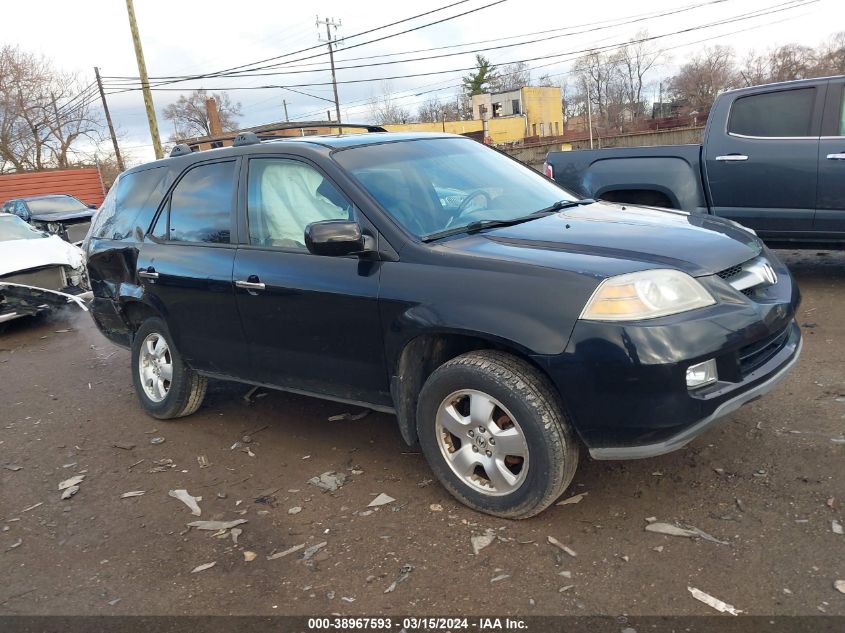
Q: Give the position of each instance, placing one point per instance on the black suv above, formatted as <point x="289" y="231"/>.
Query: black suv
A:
<point x="503" y="321"/>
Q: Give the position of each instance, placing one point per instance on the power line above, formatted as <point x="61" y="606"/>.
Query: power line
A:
<point x="358" y="103"/>
<point x="384" y="26"/>
<point x="791" y="4"/>
<point x="478" y="50"/>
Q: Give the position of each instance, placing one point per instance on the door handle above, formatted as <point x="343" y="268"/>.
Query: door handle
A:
<point x="732" y="158"/>
<point x="836" y="156"/>
<point x="250" y="285"/>
<point x="148" y="273"/>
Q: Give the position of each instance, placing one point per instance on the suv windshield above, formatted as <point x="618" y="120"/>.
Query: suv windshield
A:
<point x="434" y="185"/>
<point x="13" y="228"/>
<point x="55" y="204"/>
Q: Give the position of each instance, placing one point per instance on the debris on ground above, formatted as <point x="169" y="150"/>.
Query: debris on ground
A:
<point x="404" y="572"/>
<point x="565" y="574"/>
<point x="126" y="446"/>
<point x="839" y="585"/>
<point x="740" y="504"/>
<point x="561" y="546"/>
<point x="329" y="480"/>
<point x="32" y="507"/>
<point x="310" y="551"/>
<point x="161" y="465"/>
<point x="202" y="460"/>
<point x="13" y="467"/>
<point x="248" y="396"/>
<point x="216" y="525"/>
<point x="381" y="500"/>
<point x="480" y="542"/>
<point x="235" y="533"/>
<point x="295" y="510"/>
<point x="499" y="577"/>
<point x="435" y="507"/>
<point x="576" y="499"/>
<point x="710" y="601"/>
<point x="157" y="440"/>
<point x="73" y="481"/>
<point x="424" y="483"/>
<point x="249" y="556"/>
<point x="836" y="527"/>
<point x="203" y="567"/>
<point x="565" y="588"/>
<point x="350" y="416"/>
<point x="15" y="545"/>
<point x="185" y="497"/>
<point x="132" y="493"/>
<point x="289" y="550"/>
<point x="347" y="599"/>
<point x="70" y="491"/>
<point x="673" y="530"/>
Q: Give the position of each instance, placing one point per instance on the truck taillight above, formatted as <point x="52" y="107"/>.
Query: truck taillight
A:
<point x="548" y="171"/>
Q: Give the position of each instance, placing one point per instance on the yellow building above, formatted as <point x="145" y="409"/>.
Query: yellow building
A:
<point x="501" y="130"/>
<point x="540" y="108"/>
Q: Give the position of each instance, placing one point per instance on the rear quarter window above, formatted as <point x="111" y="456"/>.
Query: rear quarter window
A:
<point x="786" y="113"/>
<point x="131" y="203"/>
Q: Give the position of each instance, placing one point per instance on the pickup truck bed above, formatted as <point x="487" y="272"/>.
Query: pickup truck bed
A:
<point x="773" y="159"/>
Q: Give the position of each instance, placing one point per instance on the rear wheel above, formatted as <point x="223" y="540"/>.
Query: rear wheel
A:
<point x="493" y="431"/>
<point x="165" y="386"/>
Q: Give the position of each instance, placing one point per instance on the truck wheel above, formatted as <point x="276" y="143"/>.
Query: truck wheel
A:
<point x="493" y="430"/>
<point x="166" y="387"/>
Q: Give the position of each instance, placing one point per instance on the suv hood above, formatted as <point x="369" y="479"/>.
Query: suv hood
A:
<point x="636" y="237"/>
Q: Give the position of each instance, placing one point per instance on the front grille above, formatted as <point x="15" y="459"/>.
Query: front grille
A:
<point x="757" y="354"/>
<point x="733" y="271"/>
<point x="49" y="277"/>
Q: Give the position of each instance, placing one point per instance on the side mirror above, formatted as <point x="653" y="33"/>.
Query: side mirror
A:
<point x="335" y="238"/>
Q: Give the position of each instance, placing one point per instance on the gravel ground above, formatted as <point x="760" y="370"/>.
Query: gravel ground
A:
<point x="769" y="482"/>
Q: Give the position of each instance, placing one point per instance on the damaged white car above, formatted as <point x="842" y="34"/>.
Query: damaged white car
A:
<point x="38" y="271"/>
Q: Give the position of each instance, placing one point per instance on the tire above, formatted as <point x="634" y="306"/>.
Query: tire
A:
<point x="525" y="404"/>
<point x="175" y="398"/>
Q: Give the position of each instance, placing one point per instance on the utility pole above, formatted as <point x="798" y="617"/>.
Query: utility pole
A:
<point x="285" y="103"/>
<point x="145" y="80"/>
<point x="108" y="120"/>
<point x="331" y="24"/>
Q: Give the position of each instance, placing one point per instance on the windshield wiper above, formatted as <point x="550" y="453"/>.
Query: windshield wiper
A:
<point x="478" y="225"/>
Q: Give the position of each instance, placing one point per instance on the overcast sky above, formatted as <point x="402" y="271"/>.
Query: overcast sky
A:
<point x="192" y="37"/>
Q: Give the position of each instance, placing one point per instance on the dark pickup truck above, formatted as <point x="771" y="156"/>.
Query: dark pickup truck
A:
<point x="773" y="159"/>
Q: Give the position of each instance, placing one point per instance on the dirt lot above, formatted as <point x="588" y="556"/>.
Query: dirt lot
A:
<point x="769" y="481"/>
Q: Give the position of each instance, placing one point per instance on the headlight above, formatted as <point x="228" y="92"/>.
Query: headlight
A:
<point x="646" y="295"/>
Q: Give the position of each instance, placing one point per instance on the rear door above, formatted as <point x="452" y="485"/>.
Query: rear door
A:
<point x="312" y="322"/>
<point x="762" y="169"/>
<point x="185" y="265"/>
<point x="830" y="205"/>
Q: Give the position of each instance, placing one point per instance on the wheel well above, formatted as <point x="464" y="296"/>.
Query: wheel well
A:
<point x="418" y="360"/>
<point x="647" y="197"/>
<point x="136" y="313"/>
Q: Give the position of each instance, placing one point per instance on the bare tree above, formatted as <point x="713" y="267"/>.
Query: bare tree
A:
<point x="706" y="75"/>
<point x="384" y="110"/>
<point x="633" y="61"/>
<point x="431" y="111"/>
<point x="511" y="77"/>
<point x="45" y="114"/>
<point x="189" y="114"/>
<point x="831" y="58"/>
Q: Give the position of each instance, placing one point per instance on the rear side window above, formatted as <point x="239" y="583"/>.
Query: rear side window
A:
<point x="132" y="201"/>
<point x="772" y="114"/>
<point x="201" y="205"/>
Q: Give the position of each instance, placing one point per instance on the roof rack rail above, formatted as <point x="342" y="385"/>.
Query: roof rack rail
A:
<point x="180" y="150"/>
<point x="246" y="138"/>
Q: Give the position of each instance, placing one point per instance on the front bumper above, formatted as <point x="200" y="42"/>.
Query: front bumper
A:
<point x="624" y="384"/>
<point x="772" y="377"/>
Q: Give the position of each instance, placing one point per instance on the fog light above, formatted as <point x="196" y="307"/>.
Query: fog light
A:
<point x="702" y="374"/>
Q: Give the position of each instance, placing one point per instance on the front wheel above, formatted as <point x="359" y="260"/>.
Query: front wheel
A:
<point x="493" y="430"/>
<point x="166" y="387"/>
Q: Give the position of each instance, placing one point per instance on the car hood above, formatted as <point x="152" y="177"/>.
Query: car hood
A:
<point x="61" y="217"/>
<point x="632" y="237"/>
<point x="20" y="255"/>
